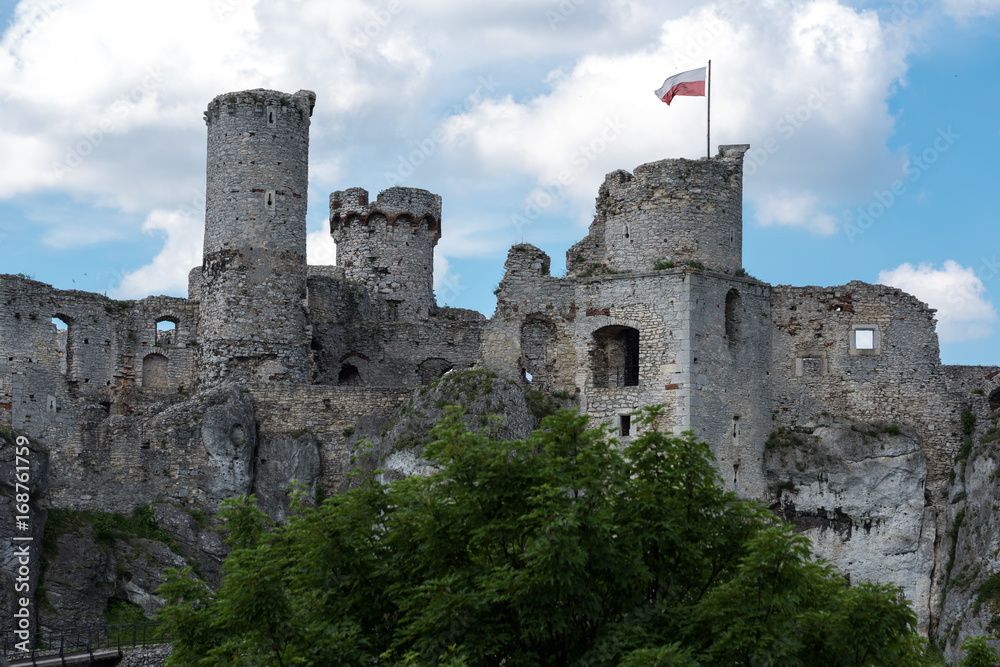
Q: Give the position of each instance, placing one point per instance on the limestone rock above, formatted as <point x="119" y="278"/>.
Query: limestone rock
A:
<point x="282" y="462"/>
<point x="857" y="491"/>
<point x="491" y="404"/>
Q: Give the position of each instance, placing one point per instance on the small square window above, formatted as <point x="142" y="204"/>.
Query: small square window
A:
<point x="864" y="339"/>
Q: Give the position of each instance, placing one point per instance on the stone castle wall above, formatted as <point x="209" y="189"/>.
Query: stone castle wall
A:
<point x="728" y="374"/>
<point x="817" y="366"/>
<point x="329" y="413"/>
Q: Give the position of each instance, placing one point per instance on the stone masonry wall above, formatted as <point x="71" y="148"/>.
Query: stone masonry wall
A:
<point x="815" y="367"/>
<point x="254" y="270"/>
<point x="729" y="375"/>
<point x="388" y="245"/>
<point x="351" y="327"/>
<point x="329" y="413"/>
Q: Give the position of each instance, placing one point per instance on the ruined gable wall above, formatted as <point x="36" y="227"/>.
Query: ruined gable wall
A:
<point x="61" y="387"/>
<point x="903" y="382"/>
<point x="531" y="303"/>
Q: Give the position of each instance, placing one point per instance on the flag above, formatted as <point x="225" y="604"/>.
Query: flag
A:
<point x="691" y="82"/>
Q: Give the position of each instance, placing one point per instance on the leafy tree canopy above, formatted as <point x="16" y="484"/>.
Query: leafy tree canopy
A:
<point x="561" y="549"/>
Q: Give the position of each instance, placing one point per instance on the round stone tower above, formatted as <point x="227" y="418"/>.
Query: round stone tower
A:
<point x="388" y="245"/>
<point x="253" y="324"/>
<point x="666" y="214"/>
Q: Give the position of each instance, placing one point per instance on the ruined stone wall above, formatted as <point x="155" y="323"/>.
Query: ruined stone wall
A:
<point x="672" y="211"/>
<point x="254" y="270"/>
<point x="388" y="245"/>
<point x="561" y="329"/>
<point x="728" y="376"/>
<point x="817" y="366"/>
<point x="328" y="413"/>
<point x="354" y="331"/>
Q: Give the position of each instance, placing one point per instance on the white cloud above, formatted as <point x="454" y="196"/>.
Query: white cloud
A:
<point x="968" y="8"/>
<point x="794" y="210"/>
<point x="168" y="272"/>
<point x="958" y="294"/>
<point x="320" y="249"/>
<point x="804" y="82"/>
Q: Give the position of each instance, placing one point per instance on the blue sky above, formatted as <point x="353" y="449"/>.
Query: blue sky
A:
<point x="485" y="103"/>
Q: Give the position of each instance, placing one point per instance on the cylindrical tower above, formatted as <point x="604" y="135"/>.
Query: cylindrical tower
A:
<point x="388" y="245"/>
<point x="253" y="324"/>
<point x="675" y="213"/>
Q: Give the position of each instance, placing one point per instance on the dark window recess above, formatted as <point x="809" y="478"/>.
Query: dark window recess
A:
<point x="626" y="425"/>
<point x="616" y="357"/>
<point x="349" y="374"/>
<point x="734" y="316"/>
<point x="995" y="399"/>
<point x="736" y="475"/>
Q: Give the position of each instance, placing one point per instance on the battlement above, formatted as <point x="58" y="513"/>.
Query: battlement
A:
<point x="668" y="212"/>
<point x="388" y="245"/>
<point x="397" y="205"/>
<point x="264" y="102"/>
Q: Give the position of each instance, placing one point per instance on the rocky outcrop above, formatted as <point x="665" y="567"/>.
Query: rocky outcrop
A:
<point x="284" y="463"/>
<point x="857" y="491"/>
<point x="490" y="404"/>
<point x="94" y="559"/>
<point x="969" y="586"/>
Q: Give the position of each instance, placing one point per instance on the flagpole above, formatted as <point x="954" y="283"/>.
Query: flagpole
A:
<point x="708" y="139"/>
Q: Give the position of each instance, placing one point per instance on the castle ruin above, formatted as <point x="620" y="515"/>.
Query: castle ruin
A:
<point x="269" y="363"/>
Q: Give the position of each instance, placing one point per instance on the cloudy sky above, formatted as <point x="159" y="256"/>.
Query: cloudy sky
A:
<point x="874" y="128"/>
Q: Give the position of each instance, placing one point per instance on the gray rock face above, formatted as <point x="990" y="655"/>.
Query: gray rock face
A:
<point x="494" y="405"/>
<point x="281" y="463"/>
<point x="857" y="491"/>
<point x="229" y="436"/>
<point x="203" y="545"/>
<point x="969" y="555"/>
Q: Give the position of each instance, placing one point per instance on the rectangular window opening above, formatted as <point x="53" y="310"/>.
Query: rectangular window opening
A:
<point x="864" y="339"/>
<point x="626" y="423"/>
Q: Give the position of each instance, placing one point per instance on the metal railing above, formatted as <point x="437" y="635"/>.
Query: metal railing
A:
<point x="57" y="643"/>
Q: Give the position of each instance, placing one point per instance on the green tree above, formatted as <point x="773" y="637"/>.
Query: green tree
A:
<point x="561" y="549"/>
<point x="978" y="654"/>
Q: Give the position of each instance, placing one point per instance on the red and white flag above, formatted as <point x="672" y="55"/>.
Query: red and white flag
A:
<point x="691" y="82"/>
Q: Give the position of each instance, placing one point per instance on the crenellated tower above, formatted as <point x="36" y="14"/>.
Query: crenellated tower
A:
<point x="254" y="326"/>
<point x="668" y="213"/>
<point x="388" y="245"/>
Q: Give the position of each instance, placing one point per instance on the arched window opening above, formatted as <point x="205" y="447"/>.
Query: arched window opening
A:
<point x="734" y="316"/>
<point x="154" y="371"/>
<point x="616" y="357"/>
<point x="166" y="332"/>
<point x="349" y="375"/>
<point x="431" y="369"/>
